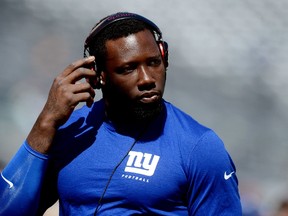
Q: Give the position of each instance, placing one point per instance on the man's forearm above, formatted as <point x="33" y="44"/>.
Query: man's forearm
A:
<point x="21" y="182"/>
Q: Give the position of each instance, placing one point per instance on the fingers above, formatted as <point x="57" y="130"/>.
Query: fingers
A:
<point x="77" y="64"/>
<point x="84" y="92"/>
<point x="66" y="92"/>
<point x="72" y="94"/>
<point x="77" y="70"/>
<point x="68" y="85"/>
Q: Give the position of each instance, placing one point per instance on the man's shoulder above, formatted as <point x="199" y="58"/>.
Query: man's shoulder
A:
<point x="182" y="119"/>
<point x="86" y="114"/>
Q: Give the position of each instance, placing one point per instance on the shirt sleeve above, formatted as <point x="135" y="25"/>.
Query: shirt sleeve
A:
<point x="213" y="184"/>
<point x="21" y="182"/>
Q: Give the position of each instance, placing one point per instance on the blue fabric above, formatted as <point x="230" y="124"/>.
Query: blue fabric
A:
<point x="21" y="182"/>
<point x="178" y="167"/>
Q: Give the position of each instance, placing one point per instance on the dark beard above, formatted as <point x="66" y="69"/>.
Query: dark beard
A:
<point x="142" y="111"/>
<point x="127" y="111"/>
<point x="122" y="109"/>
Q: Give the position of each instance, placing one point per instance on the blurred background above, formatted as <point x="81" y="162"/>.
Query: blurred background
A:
<point x="228" y="62"/>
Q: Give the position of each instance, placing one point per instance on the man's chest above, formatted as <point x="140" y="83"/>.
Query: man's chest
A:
<point x="147" y="174"/>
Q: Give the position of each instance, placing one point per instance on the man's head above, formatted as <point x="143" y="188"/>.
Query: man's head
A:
<point x="120" y="25"/>
<point x="131" y="60"/>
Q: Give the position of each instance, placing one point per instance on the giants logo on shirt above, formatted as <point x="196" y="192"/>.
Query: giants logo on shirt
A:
<point x="141" y="163"/>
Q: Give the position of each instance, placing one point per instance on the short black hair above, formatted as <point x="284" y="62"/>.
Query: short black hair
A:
<point x="121" y="28"/>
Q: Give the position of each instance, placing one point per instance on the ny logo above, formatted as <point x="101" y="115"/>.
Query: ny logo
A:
<point x="140" y="163"/>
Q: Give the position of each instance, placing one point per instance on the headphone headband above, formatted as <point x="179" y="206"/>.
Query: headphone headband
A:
<point x="121" y="16"/>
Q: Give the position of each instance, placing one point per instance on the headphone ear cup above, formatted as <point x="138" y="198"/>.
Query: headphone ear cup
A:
<point x="95" y="83"/>
<point x="166" y="53"/>
<point x="163" y="47"/>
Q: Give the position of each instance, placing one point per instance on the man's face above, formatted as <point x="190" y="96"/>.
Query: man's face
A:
<point x="135" y="75"/>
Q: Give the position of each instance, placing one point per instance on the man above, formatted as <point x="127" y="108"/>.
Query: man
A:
<point x="129" y="153"/>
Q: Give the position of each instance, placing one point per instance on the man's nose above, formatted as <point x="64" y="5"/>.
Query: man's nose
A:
<point x="146" y="80"/>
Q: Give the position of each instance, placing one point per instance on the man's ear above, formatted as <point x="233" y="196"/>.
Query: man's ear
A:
<point x="102" y="78"/>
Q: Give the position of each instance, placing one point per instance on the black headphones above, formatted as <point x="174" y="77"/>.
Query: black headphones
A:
<point x="163" y="46"/>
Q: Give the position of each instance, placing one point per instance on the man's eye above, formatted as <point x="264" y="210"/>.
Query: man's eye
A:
<point x="155" y="62"/>
<point x="126" y="69"/>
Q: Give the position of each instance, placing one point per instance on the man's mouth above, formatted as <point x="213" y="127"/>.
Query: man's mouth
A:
<point x="149" y="97"/>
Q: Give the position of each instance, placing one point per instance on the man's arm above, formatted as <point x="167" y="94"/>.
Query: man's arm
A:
<point x="65" y="94"/>
<point x="22" y="179"/>
<point x="213" y="186"/>
<point x="21" y="182"/>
